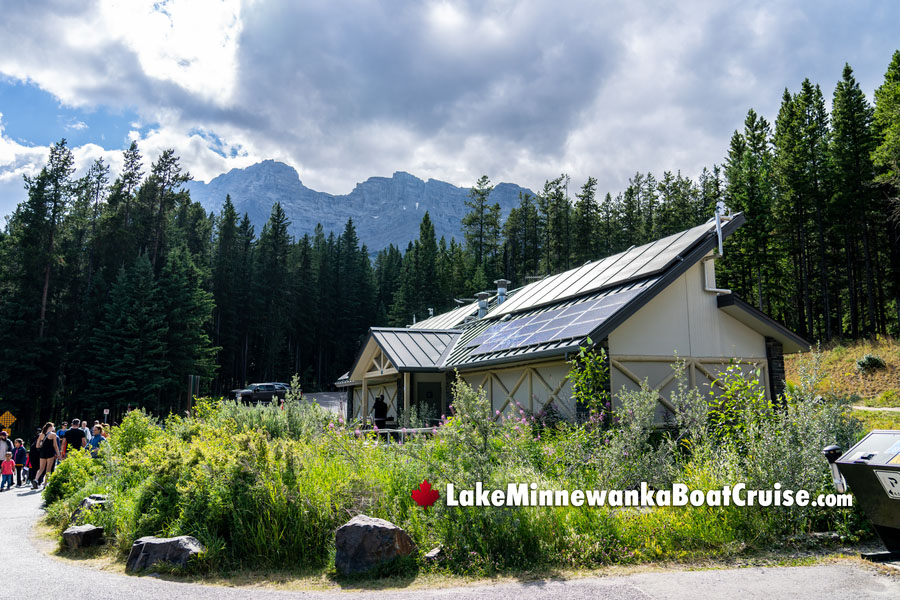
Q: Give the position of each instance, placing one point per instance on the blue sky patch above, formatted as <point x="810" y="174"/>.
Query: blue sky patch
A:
<point x="33" y="117"/>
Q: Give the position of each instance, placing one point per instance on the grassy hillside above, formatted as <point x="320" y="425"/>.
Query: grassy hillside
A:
<point x="877" y="388"/>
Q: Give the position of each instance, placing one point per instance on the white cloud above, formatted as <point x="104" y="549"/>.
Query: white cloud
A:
<point x="446" y="89"/>
<point x="192" y="43"/>
<point x="17" y="160"/>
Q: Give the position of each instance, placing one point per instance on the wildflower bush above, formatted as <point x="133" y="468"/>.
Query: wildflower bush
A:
<point x="267" y="486"/>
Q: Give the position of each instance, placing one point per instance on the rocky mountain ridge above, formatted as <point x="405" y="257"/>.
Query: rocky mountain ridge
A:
<point x="385" y="210"/>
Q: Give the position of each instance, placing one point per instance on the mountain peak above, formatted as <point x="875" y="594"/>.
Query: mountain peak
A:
<point x="384" y="210"/>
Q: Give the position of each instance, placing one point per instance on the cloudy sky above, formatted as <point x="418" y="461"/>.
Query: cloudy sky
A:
<point x="342" y="91"/>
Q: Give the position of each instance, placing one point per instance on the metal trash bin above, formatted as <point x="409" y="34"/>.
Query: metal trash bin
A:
<point x="872" y="470"/>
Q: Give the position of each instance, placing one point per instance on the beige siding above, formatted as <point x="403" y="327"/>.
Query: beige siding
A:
<point x="531" y="386"/>
<point x="684" y="320"/>
<point x="386" y="388"/>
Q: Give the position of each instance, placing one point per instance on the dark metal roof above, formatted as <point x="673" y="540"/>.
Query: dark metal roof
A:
<point x="761" y="322"/>
<point x="414" y="349"/>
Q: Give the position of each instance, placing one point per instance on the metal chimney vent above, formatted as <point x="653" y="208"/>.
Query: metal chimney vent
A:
<point x="502" y="284"/>
<point x="482" y="303"/>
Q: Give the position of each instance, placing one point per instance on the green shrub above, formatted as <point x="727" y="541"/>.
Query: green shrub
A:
<point x="263" y="487"/>
<point x="889" y="398"/>
<point x="869" y="363"/>
<point x="70" y="476"/>
<point x="138" y="429"/>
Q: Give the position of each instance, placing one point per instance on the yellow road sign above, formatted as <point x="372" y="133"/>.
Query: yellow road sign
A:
<point x="6" y="419"/>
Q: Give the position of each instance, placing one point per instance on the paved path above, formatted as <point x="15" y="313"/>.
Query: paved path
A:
<point x="333" y="401"/>
<point x="877" y="408"/>
<point x="28" y="574"/>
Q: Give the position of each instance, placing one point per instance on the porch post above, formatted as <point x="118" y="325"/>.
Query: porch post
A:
<point x="364" y="406"/>
<point x="406" y="386"/>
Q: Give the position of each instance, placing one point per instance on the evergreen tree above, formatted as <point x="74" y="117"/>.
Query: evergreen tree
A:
<point x="587" y="217"/>
<point x="750" y="188"/>
<point x="428" y="283"/>
<point x="188" y="309"/>
<point x="225" y="286"/>
<point x="610" y="226"/>
<point x="851" y="151"/>
<point x="481" y="225"/>
<point x="130" y="345"/>
<point x="271" y="270"/>
<point x="886" y="157"/>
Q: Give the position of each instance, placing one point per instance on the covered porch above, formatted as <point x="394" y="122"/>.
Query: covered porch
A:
<point x="401" y="366"/>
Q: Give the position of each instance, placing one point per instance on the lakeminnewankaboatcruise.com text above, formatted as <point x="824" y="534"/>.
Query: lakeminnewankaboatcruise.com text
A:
<point x="529" y="494"/>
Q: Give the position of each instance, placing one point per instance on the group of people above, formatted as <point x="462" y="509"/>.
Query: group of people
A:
<point x="48" y="447"/>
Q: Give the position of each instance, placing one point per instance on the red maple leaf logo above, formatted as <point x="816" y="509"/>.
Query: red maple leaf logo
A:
<point x="424" y="496"/>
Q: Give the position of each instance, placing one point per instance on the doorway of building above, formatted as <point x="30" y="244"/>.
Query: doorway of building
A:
<point x="428" y="398"/>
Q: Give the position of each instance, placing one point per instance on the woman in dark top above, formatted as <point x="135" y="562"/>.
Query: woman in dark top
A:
<point x="49" y="452"/>
<point x="34" y="457"/>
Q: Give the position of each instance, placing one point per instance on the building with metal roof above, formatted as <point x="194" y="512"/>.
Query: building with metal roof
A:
<point x="645" y="306"/>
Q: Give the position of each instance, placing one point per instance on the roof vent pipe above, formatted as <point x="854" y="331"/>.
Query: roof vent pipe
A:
<point x="502" y="284"/>
<point x="720" y="211"/>
<point x="482" y="303"/>
<point x="709" y="276"/>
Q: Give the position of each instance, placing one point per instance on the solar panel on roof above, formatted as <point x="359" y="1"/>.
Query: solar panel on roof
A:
<point x="639" y="262"/>
<point x="568" y="322"/>
<point x="667" y="249"/>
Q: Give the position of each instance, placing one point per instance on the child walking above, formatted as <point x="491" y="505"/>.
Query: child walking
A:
<point x="20" y="457"/>
<point x="7" y="468"/>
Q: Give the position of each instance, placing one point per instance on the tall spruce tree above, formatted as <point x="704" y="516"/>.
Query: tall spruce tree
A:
<point x="886" y="157"/>
<point x="587" y="216"/>
<point x="130" y="366"/>
<point x="851" y="149"/>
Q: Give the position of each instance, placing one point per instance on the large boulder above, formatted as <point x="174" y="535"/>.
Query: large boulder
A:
<point x="364" y="543"/>
<point x="82" y="536"/>
<point x="149" y="551"/>
<point x="94" y="501"/>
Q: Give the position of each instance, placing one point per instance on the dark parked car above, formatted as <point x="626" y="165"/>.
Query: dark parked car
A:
<point x="262" y="392"/>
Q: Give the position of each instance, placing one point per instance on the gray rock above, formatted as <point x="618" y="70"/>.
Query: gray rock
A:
<point x="94" y="501"/>
<point x="364" y="543"/>
<point x="434" y="555"/>
<point x="82" y="536"/>
<point x="149" y="551"/>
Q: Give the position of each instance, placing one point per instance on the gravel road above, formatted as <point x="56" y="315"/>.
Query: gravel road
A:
<point x="29" y="574"/>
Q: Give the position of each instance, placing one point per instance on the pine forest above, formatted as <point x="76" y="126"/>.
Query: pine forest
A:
<point x="114" y="290"/>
